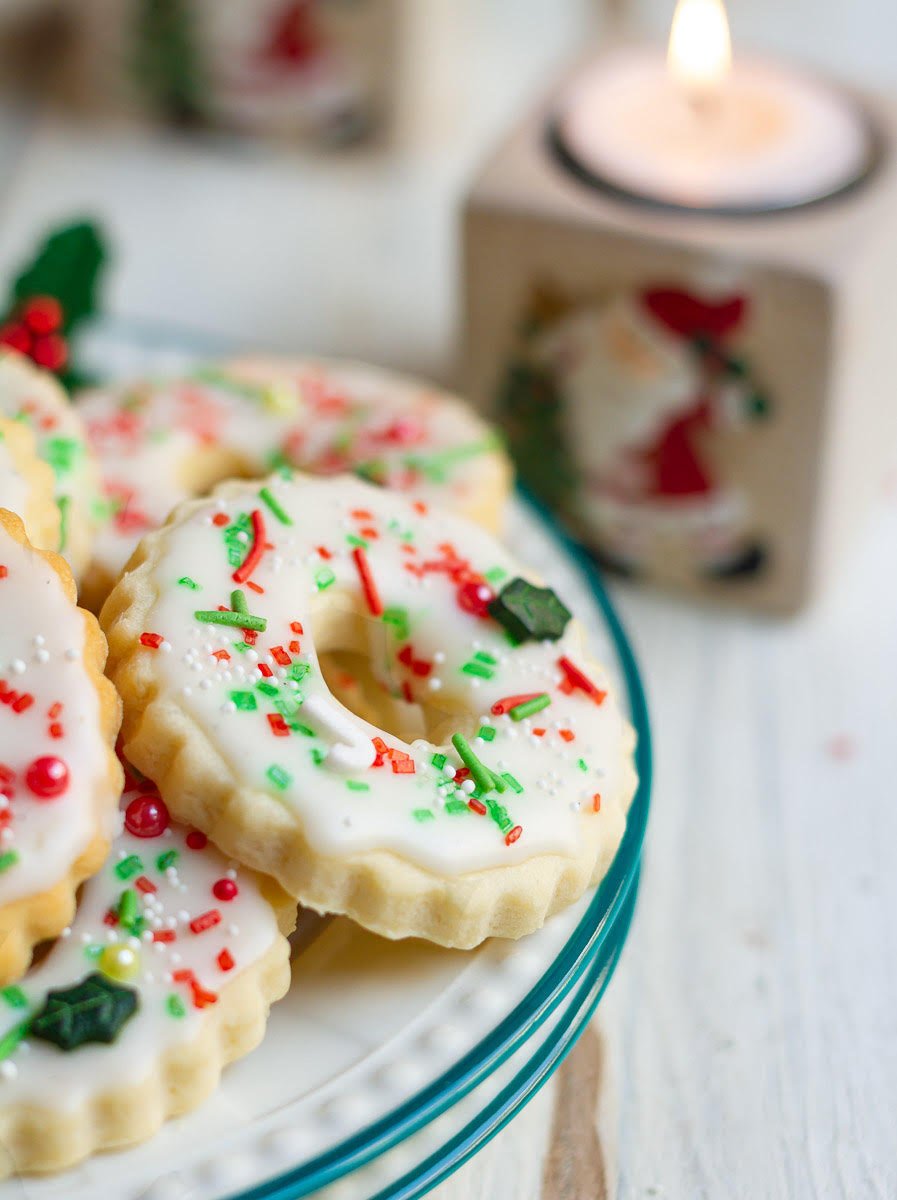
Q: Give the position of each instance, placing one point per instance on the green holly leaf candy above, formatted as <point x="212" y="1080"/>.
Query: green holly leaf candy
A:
<point x="94" y="1010"/>
<point x="529" y="613"/>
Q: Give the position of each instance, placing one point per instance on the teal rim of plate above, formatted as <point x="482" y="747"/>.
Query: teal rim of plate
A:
<point x="514" y="1096"/>
<point x="583" y="947"/>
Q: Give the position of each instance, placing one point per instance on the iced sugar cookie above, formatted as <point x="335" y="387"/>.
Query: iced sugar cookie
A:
<point x="501" y="791"/>
<point x="34" y="397"/>
<point x="165" y="975"/>
<point x="27" y="485"/>
<point x="59" y="779"/>
<point x="159" y="443"/>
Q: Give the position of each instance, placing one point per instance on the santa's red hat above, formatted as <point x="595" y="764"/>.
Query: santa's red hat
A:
<point x="687" y="315"/>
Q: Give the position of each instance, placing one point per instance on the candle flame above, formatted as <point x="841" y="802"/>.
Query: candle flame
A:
<point x="699" y="54"/>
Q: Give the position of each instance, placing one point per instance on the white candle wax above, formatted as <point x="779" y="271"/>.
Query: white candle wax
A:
<point x="765" y="137"/>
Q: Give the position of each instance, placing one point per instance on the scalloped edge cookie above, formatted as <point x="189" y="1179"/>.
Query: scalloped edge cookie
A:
<point x="31" y="919"/>
<point x="379" y="889"/>
<point x="40" y="513"/>
<point x="38" y="1140"/>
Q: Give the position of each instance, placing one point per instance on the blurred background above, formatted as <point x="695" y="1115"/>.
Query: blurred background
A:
<point x="333" y="225"/>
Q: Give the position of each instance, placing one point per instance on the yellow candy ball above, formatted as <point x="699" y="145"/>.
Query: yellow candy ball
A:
<point x="120" y="963"/>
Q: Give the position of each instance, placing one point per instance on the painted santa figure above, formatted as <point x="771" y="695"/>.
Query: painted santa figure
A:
<point x="645" y="383"/>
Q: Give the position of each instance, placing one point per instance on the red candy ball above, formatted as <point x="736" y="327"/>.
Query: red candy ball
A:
<point x="474" y="597"/>
<point x="47" y="777"/>
<point x="16" y="336"/>
<point x="224" y="889"/>
<point x="147" y="817"/>
<point x="196" y="840"/>
<point x="50" y="351"/>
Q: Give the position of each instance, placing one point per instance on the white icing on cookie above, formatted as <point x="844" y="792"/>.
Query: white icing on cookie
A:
<point x="33" y="396"/>
<point x="14" y="487"/>
<point x="323" y="565"/>
<point x="161" y="442"/>
<point x="167" y="917"/>
<point x="54" y="761"/>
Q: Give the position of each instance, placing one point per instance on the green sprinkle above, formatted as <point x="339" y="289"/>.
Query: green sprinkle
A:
<point x="279" y="777"/>
<point x="238" y="601"/>
<point x="234" y="619"/>
<point x="297" y="671"/>
<point x="303" y="729"/>
<point x="187" y="582"/>
<point x="14" y="996"/>
<point x="456" y="807"/>
<point x="317" y="755"/>
<point x="480" y="773"/>
<point x="497" y="782"/>
<point x="241" y="647"/>
<point x="360" y="543"/>
<point x="478" y="669"/>
<point x="62" y="503"/>
<point x="266" y="688"/>
<point x="582" y="764"/>
<point x="245" y="701"/>
<point x="7" y="860"/>
<point x="495" y="574"/>
<point x="438" y="761"/>
<point x="276" y="507"/>
<point x="10" y="1040"/>
<point x="93" y="952"/>
<point x="166" y="860"/>
<point x="61" y="453"/>
<point x="374" y="471"/>
<point x="398" y="618"/>
<point x="498" y="813"/>
<point x="514" y="784"/>
<point x="483" y="657"/>
<point x="128" y="867"/>
<point x="487" y="733"/>
<point x="127" y="907"/>
<point x="175" y="1006"/>
<point x="324" y="577"/>
<point x="423" y="814"/>
<point x="529" y="707"/>
<point x="355" y="785"/>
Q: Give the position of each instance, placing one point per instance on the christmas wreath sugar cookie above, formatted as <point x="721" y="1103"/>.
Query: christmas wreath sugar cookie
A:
<point x="59" y="779"/>
<point x="34" y="397"/>
<point x="26" y="485"/>
<point x="505" y="808"/>
<point x="161" y="442"/>
<point x="165" y="975"/>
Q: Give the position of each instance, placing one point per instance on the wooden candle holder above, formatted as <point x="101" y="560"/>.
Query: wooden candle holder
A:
<point x="709" y="402"/>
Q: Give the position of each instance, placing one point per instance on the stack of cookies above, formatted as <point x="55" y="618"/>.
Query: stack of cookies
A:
<point x="335" y="687"/>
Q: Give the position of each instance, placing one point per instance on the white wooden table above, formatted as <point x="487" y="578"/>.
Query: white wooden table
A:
<point x="748" y="1045"/>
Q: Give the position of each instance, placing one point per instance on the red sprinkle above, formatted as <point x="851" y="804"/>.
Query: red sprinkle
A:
<point x="500" y="707"/>
<point x="264" y="670"/>
<point x="513" y="834"/>
<point x="474" y="597"/>
<point x="420" y="507"/>
<point x="596" y="802"/>
<point x="575" y="679"/>
<point x="220" y="519"/>
<point x="280" y="656"/>
<point x="324" y="552"/>
<point x="369" y="586"/>
<point x="153" y="640"/>
<point x="278" y="725"/>
<point x="225" y="889"/>
<point x="4" y="571"/>
<point x="477" y="806"/>
<point x="256" y="551"/>
<point x="23" y="702"/>
<point x="144" y="885"/>
<point x="254" y="587"/>
<point x="55" y="731"/>
<point x="207" y="920"/>
<point x="201" y="998"/>
<point x="196" y="840"/>
<point x="164" y="935"/>
<point x="225" y="960"/>
<point x="362" y="514"/>
<point x="567" y="734"/>
<point x="403" y="766"/>
<point x="296" y="627"/>
<point x="221" y="655"/>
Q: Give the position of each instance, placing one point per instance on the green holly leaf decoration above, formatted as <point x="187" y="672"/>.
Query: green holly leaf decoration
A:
<point x="529" y="613"/>
<point x="94" y="1010"/>
<point x="67" y="266"/>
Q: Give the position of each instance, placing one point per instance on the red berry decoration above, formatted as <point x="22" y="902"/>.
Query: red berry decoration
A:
<point x="196" y="840"/>
<point x="16" y="336"/>
<point x="147" y="817"/>
<point x="50" y="352"/>
<point x="42" y="314"/>
<point x="475" y="596"/>
<point x="47" y="777"/>
<point x="224" y="889"/>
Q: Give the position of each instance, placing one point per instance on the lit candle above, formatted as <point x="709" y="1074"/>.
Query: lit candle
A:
<point x="701" y="131"/>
